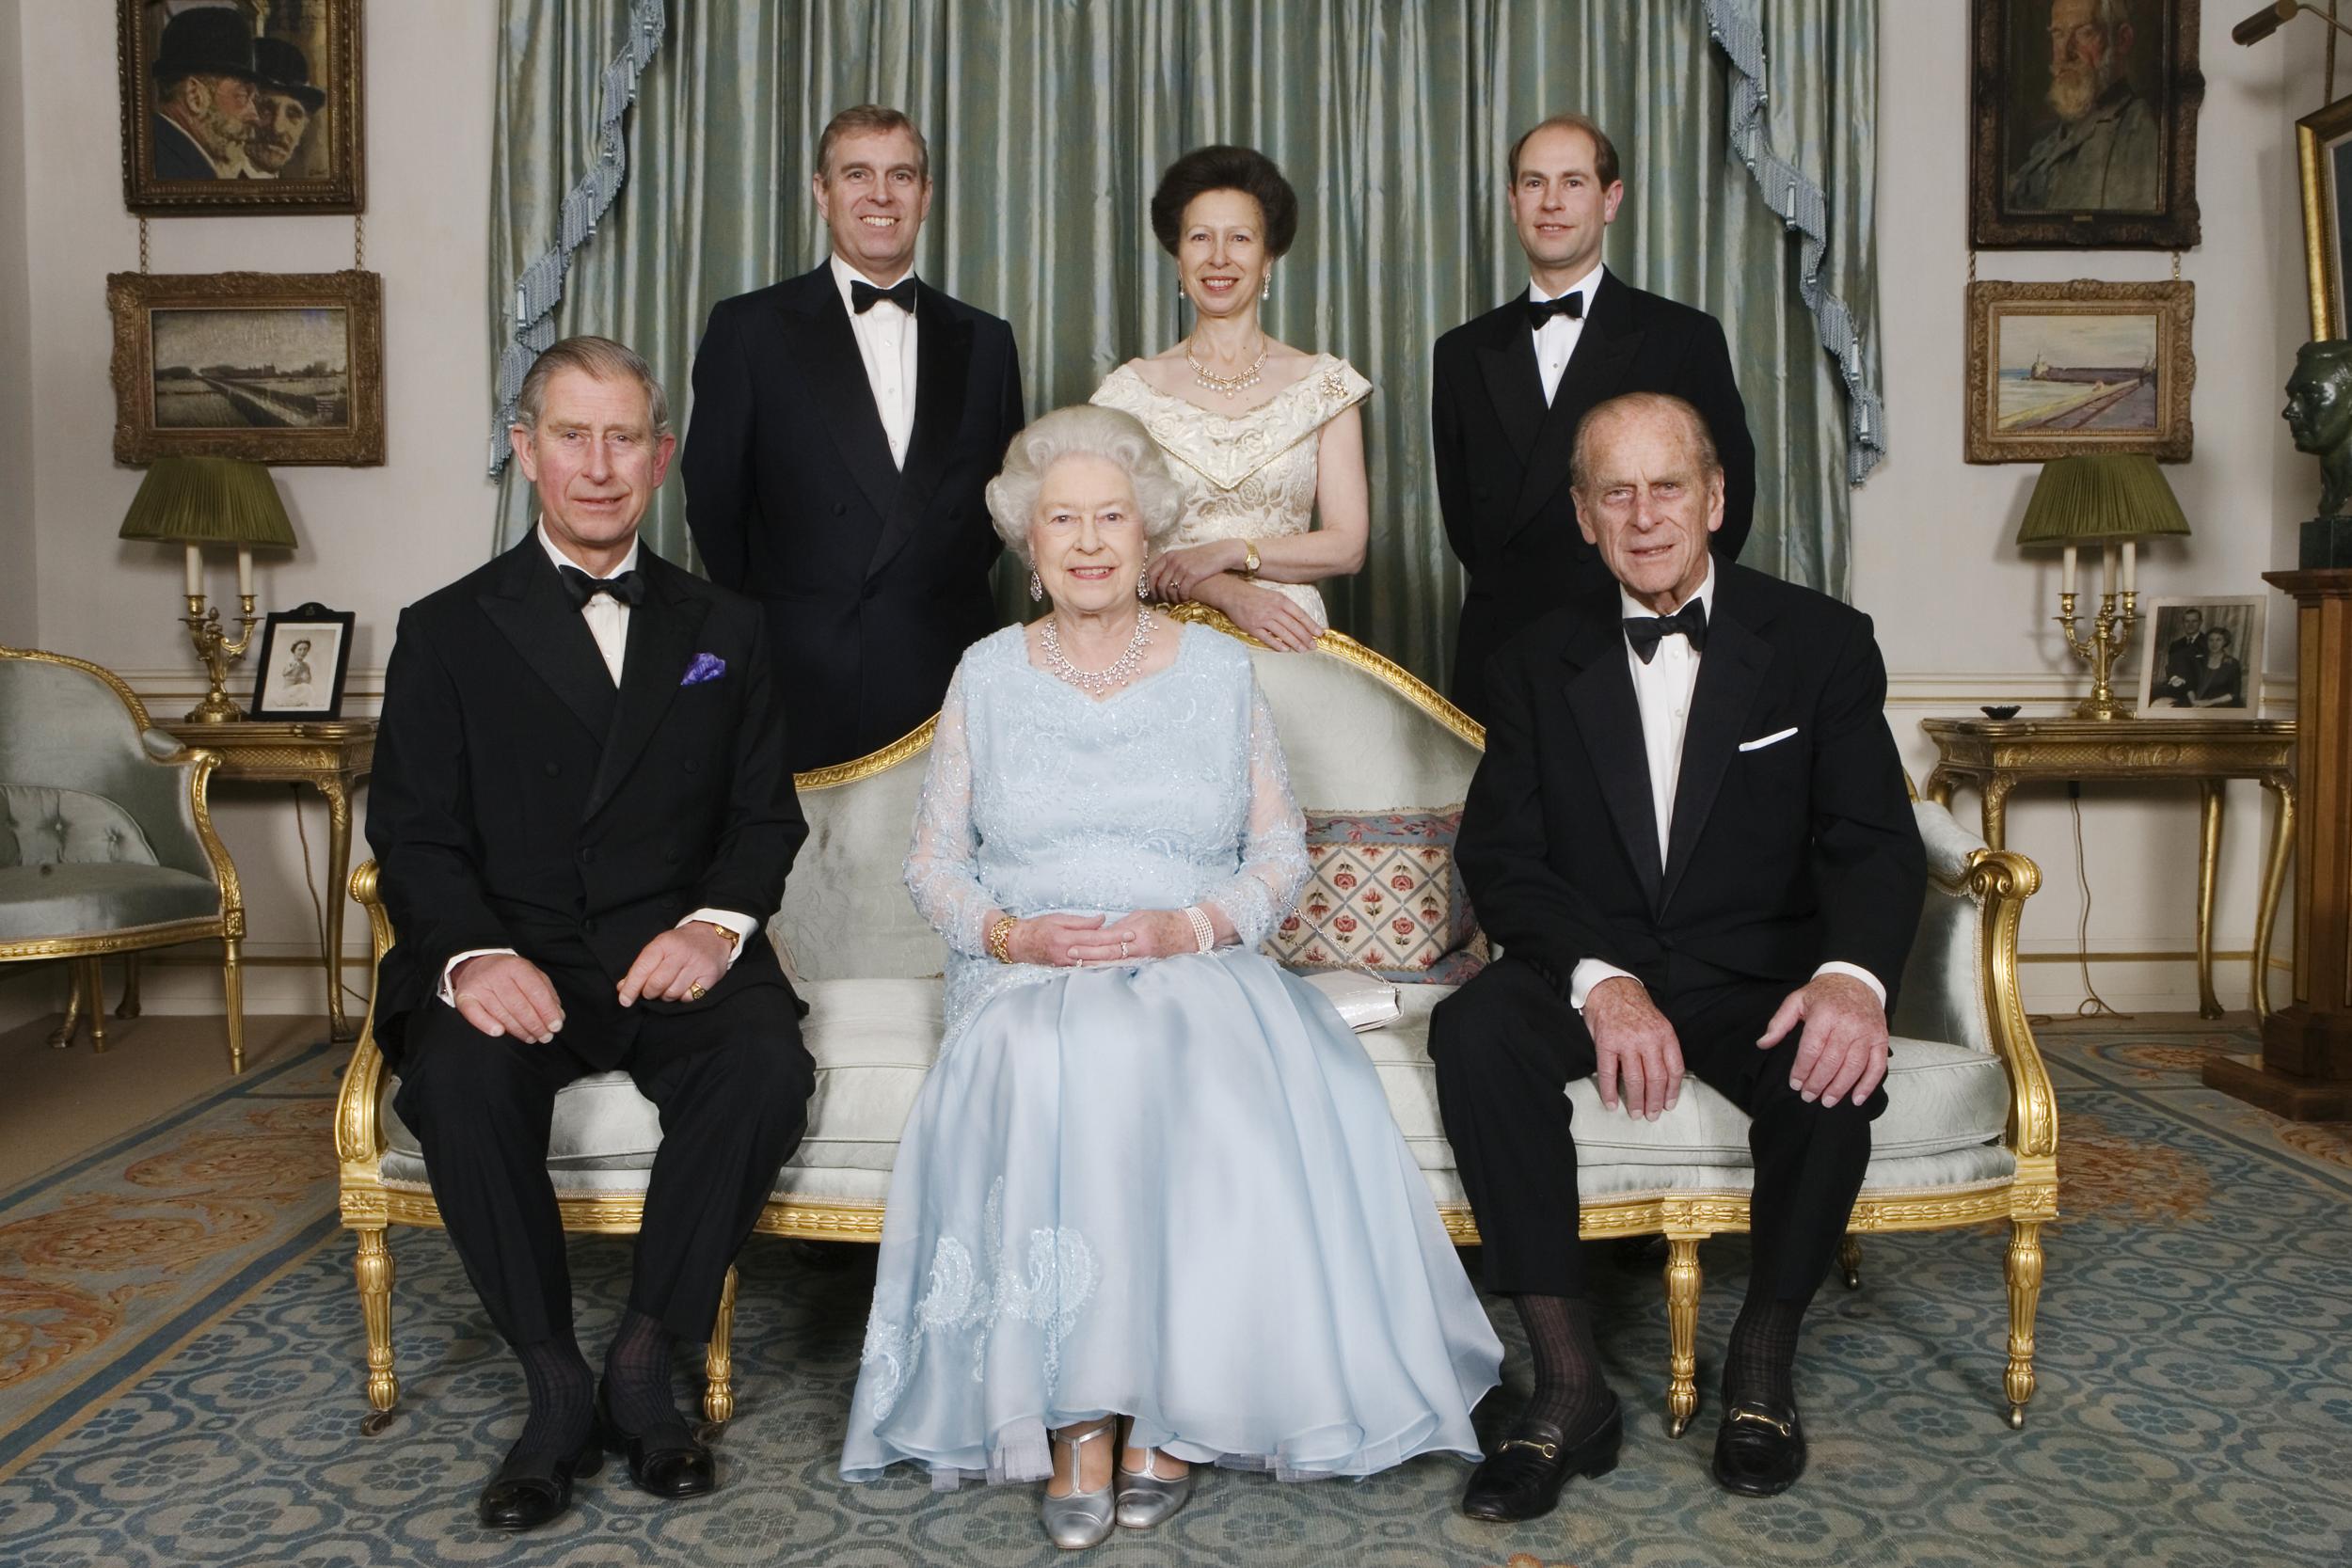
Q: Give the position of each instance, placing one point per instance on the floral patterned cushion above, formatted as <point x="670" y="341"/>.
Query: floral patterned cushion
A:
<point x="1384" y="899"/>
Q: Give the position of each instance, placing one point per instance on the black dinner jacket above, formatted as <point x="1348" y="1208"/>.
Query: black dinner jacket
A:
<point x="874" y="579"/>
<point x="520" y="799"/>
<point x="1784" y="855"/>
<point x="1501" y="455"/>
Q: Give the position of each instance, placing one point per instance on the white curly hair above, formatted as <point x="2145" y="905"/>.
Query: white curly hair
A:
<point x="1082" y="430"/>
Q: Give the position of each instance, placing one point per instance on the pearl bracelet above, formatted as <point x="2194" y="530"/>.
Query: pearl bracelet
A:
<point x="1204" y="934"/>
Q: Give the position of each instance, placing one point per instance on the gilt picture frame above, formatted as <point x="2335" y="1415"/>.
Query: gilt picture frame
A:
<point x="2060" y="369"/>
<point x="2323" y="148"/>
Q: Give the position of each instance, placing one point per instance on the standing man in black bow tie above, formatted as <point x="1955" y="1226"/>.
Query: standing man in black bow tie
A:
<point x="583" y="818"/>
<point x="845" y="424"/>
<point x="1691" y="837"/>
<point x="1509" y="387"/>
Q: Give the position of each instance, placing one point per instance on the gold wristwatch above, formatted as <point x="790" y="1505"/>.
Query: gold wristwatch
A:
<point x="727" y="934"/>
<point x="1250" y="557"/>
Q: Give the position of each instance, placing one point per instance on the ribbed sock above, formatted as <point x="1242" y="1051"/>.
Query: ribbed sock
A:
<point x="1569" y="1390"/>
<point x="637" y="1373"/>
<point x="1761" y="1350"/>
<point x="562" y="1399"/>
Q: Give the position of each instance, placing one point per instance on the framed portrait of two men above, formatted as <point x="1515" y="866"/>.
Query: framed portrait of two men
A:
<point x="241" y="106"/>
<point x="2083" y="123"/>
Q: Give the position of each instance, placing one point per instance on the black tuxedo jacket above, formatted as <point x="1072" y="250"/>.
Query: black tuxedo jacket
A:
<point x="1501" y="455"/>
<point x="520" y="799"/>
<point x="874" y="579"/>
<point x="1785" y="852"/>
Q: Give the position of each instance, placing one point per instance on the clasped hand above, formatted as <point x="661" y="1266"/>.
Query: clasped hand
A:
<point x="505" y="994"/>
<point x="1842" y="1055"/>
<point x="1065" y="940"/>
<point x="1174" y="575"/>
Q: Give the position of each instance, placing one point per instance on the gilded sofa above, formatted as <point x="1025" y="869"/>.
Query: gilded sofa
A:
<point x="1970" y="1136"/>
<point x="106" y="841"/>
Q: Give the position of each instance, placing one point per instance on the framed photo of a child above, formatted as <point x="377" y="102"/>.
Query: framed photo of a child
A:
<point x="306" y="653"/>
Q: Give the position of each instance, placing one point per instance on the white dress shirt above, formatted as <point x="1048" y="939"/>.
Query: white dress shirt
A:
<point x="885" y="340"/>
<point x="1662" y="690"/>
<point x="1556" y="340"/>
<point x="608" y="623"/>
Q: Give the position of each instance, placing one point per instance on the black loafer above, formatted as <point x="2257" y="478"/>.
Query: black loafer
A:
<point x="526" y="1493"/>
<point x="667" y="1462"/>
<point x="1523" y="1477"/>
<point x="1759" y="1450"/>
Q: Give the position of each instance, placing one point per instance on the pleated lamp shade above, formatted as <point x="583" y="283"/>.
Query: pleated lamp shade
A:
<point x="2091" y="499"/>
<point x="209" y="500"/>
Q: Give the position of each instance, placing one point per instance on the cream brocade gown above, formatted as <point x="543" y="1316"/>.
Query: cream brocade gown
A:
<point x="1249" y="475"/>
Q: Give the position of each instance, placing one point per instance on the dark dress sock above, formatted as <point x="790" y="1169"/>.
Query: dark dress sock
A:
<point x="1570" y="1392"/>
<point x="562" y="1400"/>
<point x="637" y="1377"/>
<point x="1761" y="1352"/>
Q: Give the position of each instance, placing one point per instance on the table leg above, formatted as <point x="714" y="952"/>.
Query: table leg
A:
<point x="1940" y="786"/>
<point x="338" y="892"/>
<point x="2209" y="796"/>
<point x="1995" y="809"/>
<point x="2281" y="785"/>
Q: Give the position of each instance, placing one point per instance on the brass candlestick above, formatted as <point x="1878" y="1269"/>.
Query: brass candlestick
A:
<point x="218" y="652"/>
<point x="2102" y="651"/>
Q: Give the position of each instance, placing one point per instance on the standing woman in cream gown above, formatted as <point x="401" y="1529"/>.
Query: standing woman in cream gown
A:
<point x="1261" y="435"/>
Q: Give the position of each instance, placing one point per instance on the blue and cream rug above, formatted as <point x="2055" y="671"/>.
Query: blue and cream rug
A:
<point x="181" y="1362"/>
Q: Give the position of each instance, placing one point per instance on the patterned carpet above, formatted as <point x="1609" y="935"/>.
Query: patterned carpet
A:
<point x="179" y="1371"/>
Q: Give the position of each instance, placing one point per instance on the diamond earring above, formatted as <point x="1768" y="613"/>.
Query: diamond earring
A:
<point x="1266" y="288"/>
<point x="1037" y="589"/>
<point x="1143" y="576"/>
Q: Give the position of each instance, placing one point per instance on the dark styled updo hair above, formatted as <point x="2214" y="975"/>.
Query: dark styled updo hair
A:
<point x="1224" y="168"/>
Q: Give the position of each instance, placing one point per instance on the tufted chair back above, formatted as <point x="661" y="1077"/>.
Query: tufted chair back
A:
<point x="78" y="783"/>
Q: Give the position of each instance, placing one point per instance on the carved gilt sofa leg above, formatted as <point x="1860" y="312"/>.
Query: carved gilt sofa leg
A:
<point x="1682" y="1332"/>
<point x="718" y="1367"/>
<point x="374" y="1272"/>
<point x="2025" y="1290"/>
<point x="1849" y="1260"/>
<point x="232" y="998"/>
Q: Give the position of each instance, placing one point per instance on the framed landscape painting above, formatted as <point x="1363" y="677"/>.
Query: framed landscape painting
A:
<point x="271" y="367"/>
<point x="240" y="107"/>
<point x="2060" y="369"/>
<point x="2084" y="124"/>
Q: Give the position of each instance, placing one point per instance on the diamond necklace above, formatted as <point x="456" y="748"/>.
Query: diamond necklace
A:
<point x="1096" y="682"/>
<point x="1230" y="386"/>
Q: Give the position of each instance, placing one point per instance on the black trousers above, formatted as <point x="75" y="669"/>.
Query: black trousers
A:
<point x="1507" y="1045"/>
<point x="732" y="1082"/>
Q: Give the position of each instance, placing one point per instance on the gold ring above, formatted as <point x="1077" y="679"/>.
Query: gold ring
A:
<point x="695" y="992"/>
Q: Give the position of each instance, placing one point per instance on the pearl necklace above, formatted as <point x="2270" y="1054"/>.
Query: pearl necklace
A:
<point x="1230" y="386"/>
<point x="1096" y="682"/>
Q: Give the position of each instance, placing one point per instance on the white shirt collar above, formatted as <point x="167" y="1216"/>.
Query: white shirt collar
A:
<point x="1585" y="285"/>
<point x="547" y="542"/>
<point x="1706" y="595"/>
<point x="844" y="274"/>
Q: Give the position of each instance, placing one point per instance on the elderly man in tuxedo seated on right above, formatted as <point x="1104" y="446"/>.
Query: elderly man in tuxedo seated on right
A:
<point x="1690" y="835"/>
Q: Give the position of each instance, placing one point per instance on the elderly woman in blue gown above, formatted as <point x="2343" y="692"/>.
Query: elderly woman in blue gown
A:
<point x="1151" y="1198"/>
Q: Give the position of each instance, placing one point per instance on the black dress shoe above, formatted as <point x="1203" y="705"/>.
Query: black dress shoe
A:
<point x="1521" y="1480"/>
<point x="667" y="1463"/>
<point x="1759" y="1450"/>
<point x="528" y="1493"/>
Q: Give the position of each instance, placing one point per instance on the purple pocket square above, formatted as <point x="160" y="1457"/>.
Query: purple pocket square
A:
<point x="706" y="667"/>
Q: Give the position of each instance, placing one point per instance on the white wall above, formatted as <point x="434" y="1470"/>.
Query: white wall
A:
<point x="1960" y="615"/>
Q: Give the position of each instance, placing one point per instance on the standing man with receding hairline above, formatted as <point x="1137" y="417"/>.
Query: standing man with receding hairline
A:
<point x="1509" y="387"/>
<point x="845" y="425"/>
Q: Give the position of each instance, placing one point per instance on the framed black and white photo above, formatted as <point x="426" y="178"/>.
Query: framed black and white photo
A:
<point x="2202" y="657"/>
<point x="306" y="653"/>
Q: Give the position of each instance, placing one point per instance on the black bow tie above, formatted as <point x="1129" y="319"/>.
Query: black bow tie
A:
<point x="1542" y="310"/>
<point x="628" y="588"/>
<point x="1643" y="632"/>
<point x="864" y="295"/>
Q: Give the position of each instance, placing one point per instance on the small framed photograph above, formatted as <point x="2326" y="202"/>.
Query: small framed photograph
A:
<point x="271" y="367"/>
<point x="2322" y="144"/>
<point x="306" y="653"/>
<point x="2060" y="369"/>
<point x="2084" y="124"/>
<point x="233" y="106"/>
<point x="2202" y="657"/>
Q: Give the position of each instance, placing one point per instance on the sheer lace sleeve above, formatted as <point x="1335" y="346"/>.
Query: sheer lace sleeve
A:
<point x="1274" y="840"/>
<point x="941" y="870"/>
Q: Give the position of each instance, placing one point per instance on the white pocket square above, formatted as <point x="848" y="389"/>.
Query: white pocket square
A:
<point x="1764" y="740"/>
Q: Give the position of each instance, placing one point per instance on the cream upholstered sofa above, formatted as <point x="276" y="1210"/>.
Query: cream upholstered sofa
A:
<point x="1969" y="1134"/>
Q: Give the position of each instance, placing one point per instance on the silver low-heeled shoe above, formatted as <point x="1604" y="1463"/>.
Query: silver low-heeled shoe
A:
<point x="1083" y="1518"/>
<point x="1146" y="1498"/>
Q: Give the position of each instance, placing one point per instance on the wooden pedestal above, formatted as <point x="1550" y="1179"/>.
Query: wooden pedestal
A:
<point x="2305" y="1069"/>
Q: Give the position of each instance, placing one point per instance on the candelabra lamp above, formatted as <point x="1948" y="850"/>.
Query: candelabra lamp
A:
<point x="195" y="501"/>
<point x="2110" y="501"/>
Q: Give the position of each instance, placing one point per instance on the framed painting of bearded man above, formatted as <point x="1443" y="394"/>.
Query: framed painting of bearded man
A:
<point x="2085" y="123"/>
<point x="240" y="107"/>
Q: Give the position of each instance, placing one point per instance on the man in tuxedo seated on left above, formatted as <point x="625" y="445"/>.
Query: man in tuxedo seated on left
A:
<point x="1691" y="837"/>
<point x="582" y="816"/>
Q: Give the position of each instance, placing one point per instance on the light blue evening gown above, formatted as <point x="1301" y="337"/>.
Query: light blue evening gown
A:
<point x="1171" y="1188"/>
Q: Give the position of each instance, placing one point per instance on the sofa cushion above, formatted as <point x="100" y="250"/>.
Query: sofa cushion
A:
<point x="1386" y="897"/>
<point x="84" y="899"/>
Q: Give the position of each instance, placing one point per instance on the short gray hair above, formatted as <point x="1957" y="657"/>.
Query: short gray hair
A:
<point x="1664" y="404"/>
<point x="1082" y="430"/>
<point x="601" y="358"/>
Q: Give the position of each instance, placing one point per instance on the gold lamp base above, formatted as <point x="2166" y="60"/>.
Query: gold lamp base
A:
<point x="218" y="652"/>
<point x="2110" y="634"/>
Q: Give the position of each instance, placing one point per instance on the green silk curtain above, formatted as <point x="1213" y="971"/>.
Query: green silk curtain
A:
<point x="1049" y="123"/>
